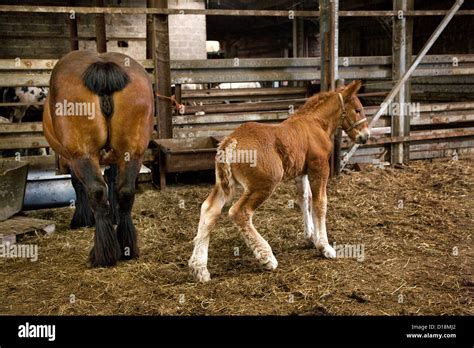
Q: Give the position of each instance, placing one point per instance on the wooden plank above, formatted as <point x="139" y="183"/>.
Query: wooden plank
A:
<point x="344" y="62"/>
<point x="427" y="135"/>
<point x="443" y="118"/>
<point x="24" y="127"/>
<point x="23" y="142"/>
<point x="46" y="64"/>
<point x="240" y="107"/>
<point x="242" y="92"/>
<point x="417" y="155"/>
<point x="155" y="11"/>
<point x="436" y="145"/>
<point x="17" y="226"/>
<point x="218" y="12"/>
<point x="229" y="118"/>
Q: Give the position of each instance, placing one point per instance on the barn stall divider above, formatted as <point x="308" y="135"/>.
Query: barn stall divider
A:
<point x="441" y="129"/>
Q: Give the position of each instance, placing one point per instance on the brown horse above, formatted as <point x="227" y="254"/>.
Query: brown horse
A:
<point x="258" y="157"/>
<point x="99" y="111"/>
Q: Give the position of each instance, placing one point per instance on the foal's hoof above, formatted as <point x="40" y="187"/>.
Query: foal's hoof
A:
<point x="270" y="263"/>
<point x="201" y="274"/>
<point x="329" y="252"/>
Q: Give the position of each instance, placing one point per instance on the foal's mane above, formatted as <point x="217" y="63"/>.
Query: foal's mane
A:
<point x="315" y="101"/>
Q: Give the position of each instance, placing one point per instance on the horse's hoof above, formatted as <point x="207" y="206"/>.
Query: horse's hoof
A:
<point x="104" y="260"/>
<point x="129" y="253"/>
<point x="270" y="264"/>
<point x="329" y="252"/>
<point x="201" y="274"/>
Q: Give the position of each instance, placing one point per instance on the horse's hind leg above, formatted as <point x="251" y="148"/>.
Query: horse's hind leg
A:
<point x="241" y="213"/>
<point x="210" y="211"/>
<point x="110" y="175"/>
<point x="305" y="199"/>
<point x="126" y="232"/>
<point x="106" y="249"/>
<point x="83" y="216"/>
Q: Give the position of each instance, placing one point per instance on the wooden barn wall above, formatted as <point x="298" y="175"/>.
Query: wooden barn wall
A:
<point x="46" y="35"/>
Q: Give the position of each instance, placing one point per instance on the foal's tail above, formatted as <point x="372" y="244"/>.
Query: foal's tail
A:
<point x="224" y="177"/>
<point x="105" y="78"/>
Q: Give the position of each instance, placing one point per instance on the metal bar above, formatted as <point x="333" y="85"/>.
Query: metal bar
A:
<point x="217" y="12"/>
<point x="407" y="74"/>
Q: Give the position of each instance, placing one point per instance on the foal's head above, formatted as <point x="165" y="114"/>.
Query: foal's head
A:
<point x="353" y="119"/>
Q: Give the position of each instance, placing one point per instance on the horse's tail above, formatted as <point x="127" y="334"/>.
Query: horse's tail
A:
<point x="105" y="78"/>
<point x="224" y="177"/>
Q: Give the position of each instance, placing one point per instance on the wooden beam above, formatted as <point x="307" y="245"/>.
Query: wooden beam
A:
<point x="399" y="65"/>
<point x="149" y="31"/>
<point x="100" y="31"/>
<point x="72" y="24"/>
<point x="161" y="51"/>
<point x="329" y="31"/>
<point x="217" y="12"/>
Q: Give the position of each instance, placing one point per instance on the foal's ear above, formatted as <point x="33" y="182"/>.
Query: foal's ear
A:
<point x="351" y="89"/>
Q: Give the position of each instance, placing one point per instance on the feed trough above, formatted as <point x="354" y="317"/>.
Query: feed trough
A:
<point x="12" y="187"/>
<point x="181" y="155"/>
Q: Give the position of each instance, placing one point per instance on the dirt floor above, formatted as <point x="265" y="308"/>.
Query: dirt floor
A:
<point x="415" y="224"/>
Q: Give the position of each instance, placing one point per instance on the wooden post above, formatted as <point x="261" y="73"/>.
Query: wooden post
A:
<point x="329" y="31"/>
<point x="100" y="34"/>
<point x="72" y="24"/>
<point x="300" y="37"/>
<point x="336" y="154"/>
<point x="401" y="58"/>
<point x="161" y="58"/>
<point x="408" y="59"/>
<point x="178" y="93"/>
<point x="149" y="31"/>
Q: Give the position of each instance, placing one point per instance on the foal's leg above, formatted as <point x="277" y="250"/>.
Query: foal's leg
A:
<point x="210" y="212"/>
<point x="106" y="250"/>
<point x="305" y="199"/>
<point x="318" y="181"/>
<point x="83" y="215"/>
<point x="126" y="232"/>
<point x="241" y="213"/>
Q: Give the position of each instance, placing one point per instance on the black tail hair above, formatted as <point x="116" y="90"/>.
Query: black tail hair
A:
<point x="105" y="78"/>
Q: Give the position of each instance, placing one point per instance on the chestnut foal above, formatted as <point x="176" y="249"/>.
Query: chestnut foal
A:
<point x="298" y="148"/>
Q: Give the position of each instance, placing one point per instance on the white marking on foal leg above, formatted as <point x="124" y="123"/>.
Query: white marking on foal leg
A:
<point x="320" y="237"/>
<point x="259" y="246"/>
<point x="210" y="211"/>
<point x="305" y="201"/>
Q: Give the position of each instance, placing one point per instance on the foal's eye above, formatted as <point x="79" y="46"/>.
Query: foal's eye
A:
<point x="358" y="111"/>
